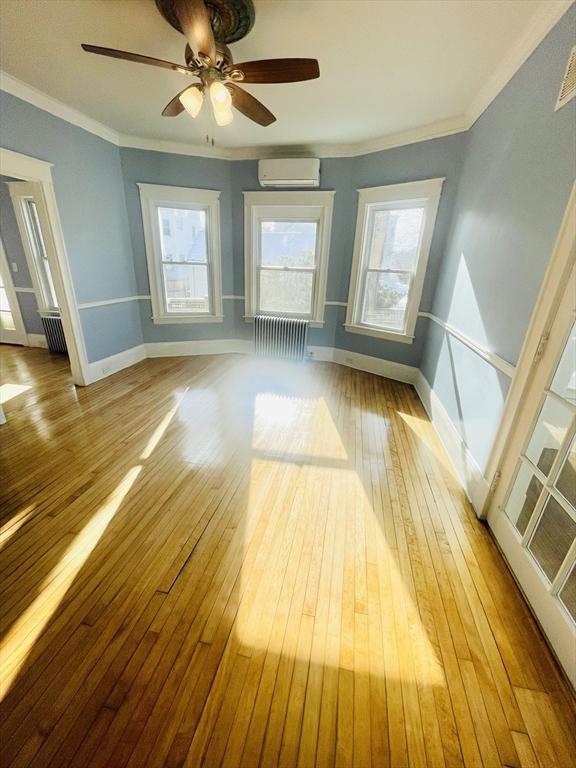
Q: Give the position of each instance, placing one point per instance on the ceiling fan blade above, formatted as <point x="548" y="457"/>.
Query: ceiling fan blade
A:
<point x="175" y="106"/>
<point x="277" y="70"/>
<point x="196" y="25"/>
<point x="138" y="58"/>
<point x="249" y="106"/>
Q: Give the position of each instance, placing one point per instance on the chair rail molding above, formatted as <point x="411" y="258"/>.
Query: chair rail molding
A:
<point x="495" y="360"/>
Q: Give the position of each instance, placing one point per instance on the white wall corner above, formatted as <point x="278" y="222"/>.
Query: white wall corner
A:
<point x="471" y="477"/>
<point x="36" y="340"/>
<point x="109" y="365"/>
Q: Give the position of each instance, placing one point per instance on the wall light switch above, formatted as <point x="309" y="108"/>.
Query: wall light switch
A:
<point x="14" y="267"/>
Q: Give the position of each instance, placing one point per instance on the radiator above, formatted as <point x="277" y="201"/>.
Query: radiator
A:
<point x="283" y="337"/>
<point x="54" y="333"/>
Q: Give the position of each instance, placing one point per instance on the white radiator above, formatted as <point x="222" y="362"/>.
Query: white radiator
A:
<point x="284" y="337"/>
<point x="54" y="332"/>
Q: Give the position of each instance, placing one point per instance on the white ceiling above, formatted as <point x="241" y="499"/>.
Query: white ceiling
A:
<point x="386" y="66"/>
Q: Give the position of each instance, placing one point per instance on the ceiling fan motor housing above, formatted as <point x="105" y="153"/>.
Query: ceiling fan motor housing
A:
<point x="223" y="56"/>
<point x="231" y="20"/>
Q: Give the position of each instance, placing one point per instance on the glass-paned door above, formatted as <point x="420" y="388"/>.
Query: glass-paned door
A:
<point x="535" y="522"/>
<point x="11" y="325"/>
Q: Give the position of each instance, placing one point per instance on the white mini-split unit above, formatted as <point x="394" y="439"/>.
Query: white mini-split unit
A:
<point x="292" y="172"/>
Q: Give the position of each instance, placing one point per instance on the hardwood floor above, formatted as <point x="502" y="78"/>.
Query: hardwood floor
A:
<point x="221" y="561"/>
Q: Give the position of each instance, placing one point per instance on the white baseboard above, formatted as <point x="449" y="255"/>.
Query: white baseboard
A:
<point x="386" y="368"/>
<point x="36" y="340"/>
<point x="467" y="470"/>
<point x="109" y="365"/>
<point x="198" y="347"/>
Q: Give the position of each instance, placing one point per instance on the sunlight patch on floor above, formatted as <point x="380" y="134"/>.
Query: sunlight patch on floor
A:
<point x="284" y="424"/>
<point x="423" y="430"/>
<point x="14" y="524"/>
<point x="9" y="391"/>
<point x="161" y="428"/>
<point x="23" y="634"/>
<point x="315" y="485"/>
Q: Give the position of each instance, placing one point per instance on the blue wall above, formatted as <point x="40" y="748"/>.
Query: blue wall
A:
<point x="515" y="182"/>
<point x="89" y="189"/>
<point x="430" y="159"/>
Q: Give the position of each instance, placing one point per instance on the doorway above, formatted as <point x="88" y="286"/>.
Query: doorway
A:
<point x="38" y="220"/>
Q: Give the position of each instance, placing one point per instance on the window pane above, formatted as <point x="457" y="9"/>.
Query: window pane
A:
<point x="40" y="255"/>
<point x="282" y="291"/>
<point x="183" y="234"/>
<point x="553" y="422"/>
<point x="186" y="288"/>
<point x="523" y="497"/>
<point x="566" y="482"/>
<point x="552" y="538"/>
<point x="385" y="297"/>
<point x="288" y="243"/>
<point x="395" y="238"/>
<point x="568" y="594"/>
<point x="564" y="382"/>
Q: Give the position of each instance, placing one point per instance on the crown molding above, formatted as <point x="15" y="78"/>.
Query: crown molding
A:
<point x="177" y="148"/>
<point x="543" y="21"/>
<point x="400" y="139"/>
<point x="43" y="101"/>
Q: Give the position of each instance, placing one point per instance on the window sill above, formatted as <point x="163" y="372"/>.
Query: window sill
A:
<point x="179" y="319"/>
<point x="378" y="333"/>
<point x="311" y="323"/>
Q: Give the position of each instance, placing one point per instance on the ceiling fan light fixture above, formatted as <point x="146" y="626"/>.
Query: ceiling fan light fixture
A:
<point x="223" y="116"/>
<point x="220" y="96"/>
<point x="221" y="99"/>
<point x="192" y="100"/>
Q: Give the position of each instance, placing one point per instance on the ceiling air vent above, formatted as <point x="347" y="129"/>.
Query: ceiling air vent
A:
<point x="568" y="87"/>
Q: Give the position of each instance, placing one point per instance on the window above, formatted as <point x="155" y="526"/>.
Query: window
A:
<point x="287" y="245"/>
<point x="182" y="233"/>
<point x="26" y="210"/>
<point x="394" y="229"/>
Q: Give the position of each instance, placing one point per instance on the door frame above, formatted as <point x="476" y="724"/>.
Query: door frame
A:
<point x="537" y="357"/>
<point x="20" y="330"/>
<point x="534" y="346"/>
<point x="540" y="594"/>
<point x="32" y="169"/>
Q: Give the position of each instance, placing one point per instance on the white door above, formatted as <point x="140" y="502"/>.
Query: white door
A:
<point x="11" y="325"/>
<point x="533" y="513"/>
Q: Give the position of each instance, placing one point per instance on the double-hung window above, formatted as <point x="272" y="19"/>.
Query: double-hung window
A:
<point x="394" y="230"/>
<point x="287" y="243"/>
<point x="182" y="234"/>
<point x="23" y="196"/>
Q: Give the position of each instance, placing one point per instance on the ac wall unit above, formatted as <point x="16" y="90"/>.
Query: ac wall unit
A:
<point x="292" y="172"/>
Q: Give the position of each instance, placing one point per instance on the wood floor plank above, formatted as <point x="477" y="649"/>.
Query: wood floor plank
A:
<point x="226" y="561"/>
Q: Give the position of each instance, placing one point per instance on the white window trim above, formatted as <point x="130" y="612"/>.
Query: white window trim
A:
<point x="153" y="196"/>
<point x="426" y="193"/>
<point x="258" y="205"/>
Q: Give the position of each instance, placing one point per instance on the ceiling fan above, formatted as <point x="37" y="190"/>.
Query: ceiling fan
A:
<point x="208" y="26"/>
